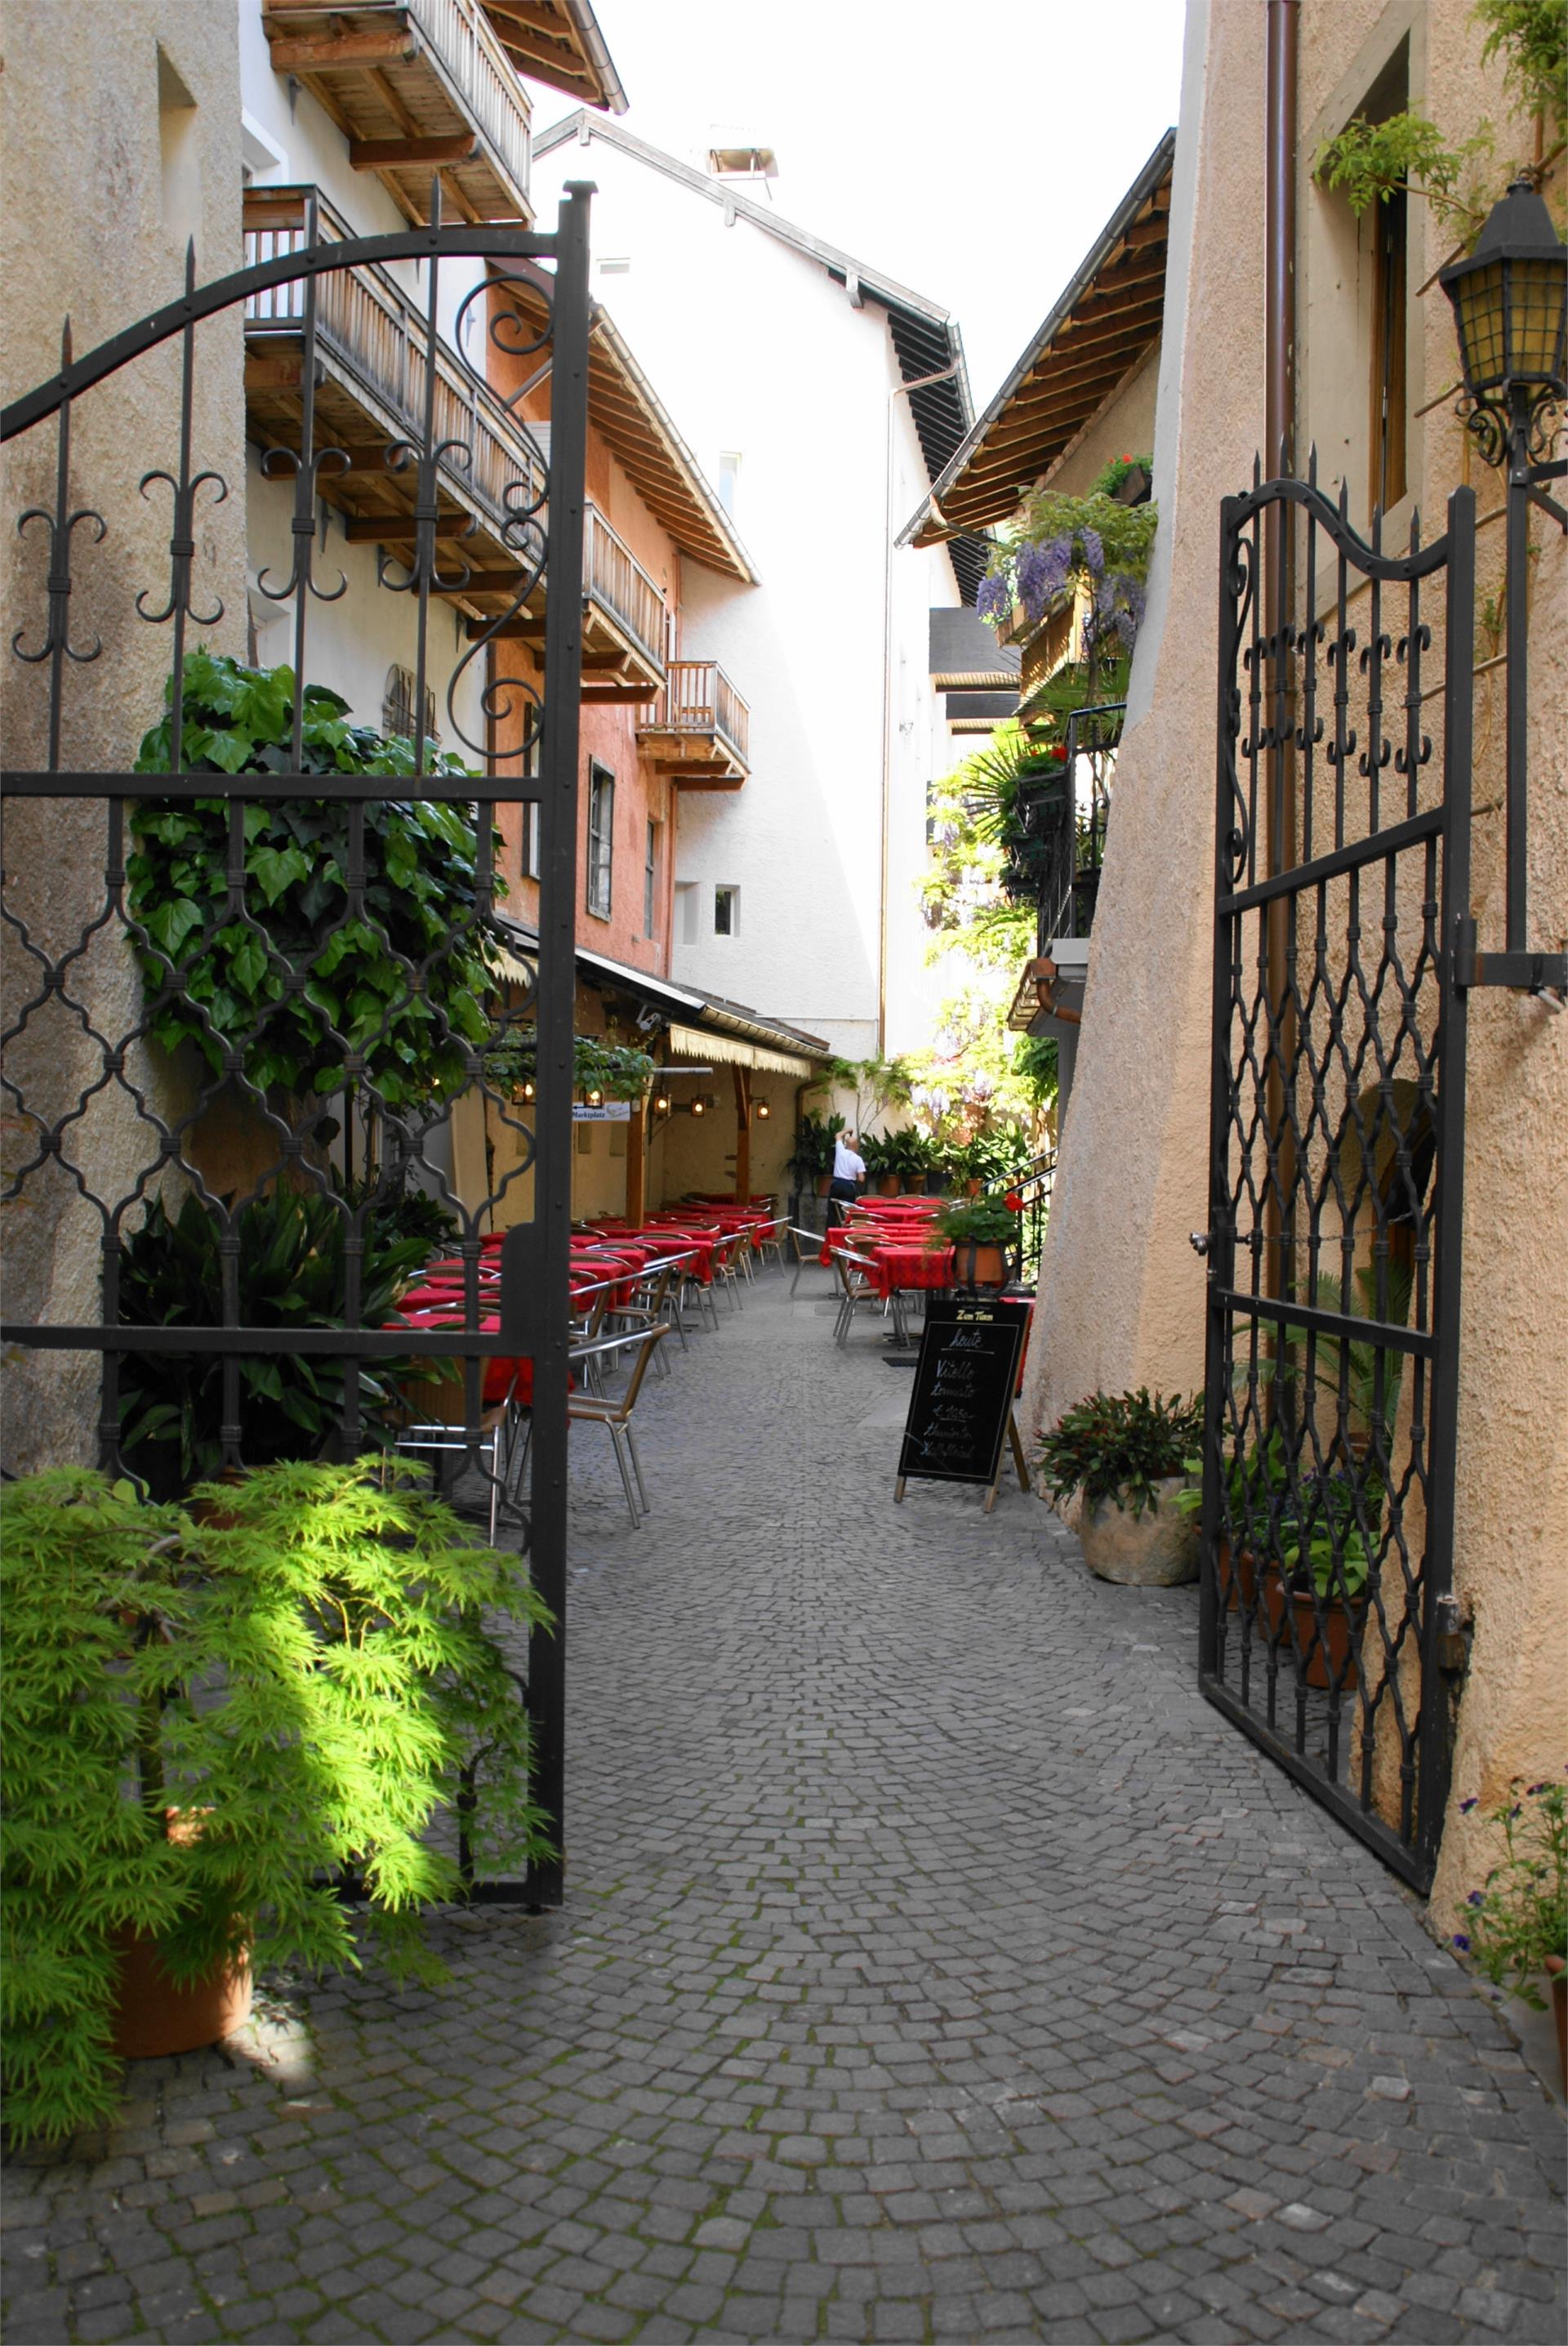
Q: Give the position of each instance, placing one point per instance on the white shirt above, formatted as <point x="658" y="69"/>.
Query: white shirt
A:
<point x="847" y="1165"/>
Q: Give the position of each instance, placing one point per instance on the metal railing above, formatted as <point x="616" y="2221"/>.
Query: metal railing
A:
<point x="615" y="579"/>
<point x="368" y="324"/>
<point x="1033" y="1188"/>
<point x="1057" y="862"/>
<point x="699" y="697"/>
<point x="463" y="44"/>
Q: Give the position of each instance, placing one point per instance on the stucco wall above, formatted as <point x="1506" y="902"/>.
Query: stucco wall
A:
<point x="1122" y="1295"/>
<point x="129" y="198"/>
<point x="788" y="373"/>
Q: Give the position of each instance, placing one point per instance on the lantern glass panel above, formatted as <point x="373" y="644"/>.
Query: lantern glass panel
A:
<point x="1482" y="309"/>
<point x="1536" y="317"/>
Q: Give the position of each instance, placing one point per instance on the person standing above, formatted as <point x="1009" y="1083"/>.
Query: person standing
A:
<point x="849" y="1172"/>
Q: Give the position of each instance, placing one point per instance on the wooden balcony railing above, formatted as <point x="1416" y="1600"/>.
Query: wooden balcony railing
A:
<point x="371" y="338"/>
<point x="615" y="579"/>
<point x="699" y="698"/>
<point x="404" y="83"/>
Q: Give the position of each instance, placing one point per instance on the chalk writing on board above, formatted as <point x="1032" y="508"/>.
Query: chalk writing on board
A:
<point x="964" y="1387"/>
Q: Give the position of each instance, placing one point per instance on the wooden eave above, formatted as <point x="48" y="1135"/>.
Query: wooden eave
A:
<point x="549" y="43"/>
<point x="627" y="412"/>
<point x="1100" y="333"/>
<point x="384" y="84"/>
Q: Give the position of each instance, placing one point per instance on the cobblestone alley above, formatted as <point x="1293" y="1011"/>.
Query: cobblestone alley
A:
<point x="937" y="1964"/>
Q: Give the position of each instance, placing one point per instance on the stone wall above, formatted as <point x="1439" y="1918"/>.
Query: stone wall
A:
<point x="117" y="149"/>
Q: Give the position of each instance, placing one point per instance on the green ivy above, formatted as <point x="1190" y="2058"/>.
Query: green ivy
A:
<point x="217" y="975"/>
<point x="1532" y="35"/>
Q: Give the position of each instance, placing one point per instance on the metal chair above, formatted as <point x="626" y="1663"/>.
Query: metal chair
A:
<point x="852" y="1271"/>
<point x="807" y="1248"/>
<point x="593" y="1409"/>
<point x="438" y="1419"/>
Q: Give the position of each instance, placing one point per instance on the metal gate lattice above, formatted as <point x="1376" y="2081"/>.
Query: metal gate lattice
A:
<point x="345" y="1100"/>
<point x="1336" y="1153"/>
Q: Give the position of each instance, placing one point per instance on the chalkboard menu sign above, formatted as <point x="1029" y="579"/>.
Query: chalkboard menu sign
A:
<point x="964" y="1387"/>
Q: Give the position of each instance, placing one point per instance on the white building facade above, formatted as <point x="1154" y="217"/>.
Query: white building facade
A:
<point x="793" y="370"/>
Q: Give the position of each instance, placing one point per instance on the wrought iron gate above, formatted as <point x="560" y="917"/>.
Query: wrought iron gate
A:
<point x="372" y="1096"/>
<point x="1337" y="1133"/>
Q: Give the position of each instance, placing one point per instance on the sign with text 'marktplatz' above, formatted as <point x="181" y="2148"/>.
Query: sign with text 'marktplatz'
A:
<point x="964" y="1387"/>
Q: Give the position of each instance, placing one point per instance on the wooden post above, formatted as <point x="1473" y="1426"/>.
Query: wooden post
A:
<point x="742" y="1135"/>
<point x="636" y="1164"/>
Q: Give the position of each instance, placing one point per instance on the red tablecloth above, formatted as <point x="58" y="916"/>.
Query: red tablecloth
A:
<point x="502" y="1375"/>
<point x="909" y="1264"/>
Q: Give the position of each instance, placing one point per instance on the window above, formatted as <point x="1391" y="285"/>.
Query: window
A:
<point x="1389" y="323"/>
<point x="397" y="705"/>
<point x="179" y="152"/>
<point x="600" y="838"/>
<point x="728" y="479"/>
<point x="650" y="883"/>
<point x="726" y="911"/>
<point x="615" y="264"/>
<point x="686" y="911"/>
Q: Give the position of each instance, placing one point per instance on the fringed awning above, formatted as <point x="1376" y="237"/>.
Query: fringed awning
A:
<point x="697" y="1043"/>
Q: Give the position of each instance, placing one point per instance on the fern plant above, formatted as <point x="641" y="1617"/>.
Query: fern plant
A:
<point x="308" y="1675"/>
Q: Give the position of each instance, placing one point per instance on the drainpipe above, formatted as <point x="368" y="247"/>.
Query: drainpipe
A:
<point x="942" y="374"/>
<point x="1280" y="847"/>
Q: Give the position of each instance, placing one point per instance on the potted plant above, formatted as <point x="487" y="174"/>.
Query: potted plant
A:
<point x="812" y="1163"/>
<point x="880" y="1154"/>
<point x="1127" y="1454"/>
<point x="1516" y="1928"/>
<point x="208" y="1725"/>
<point x="983" y="1235"/>
<point x="1295" y="1558"/>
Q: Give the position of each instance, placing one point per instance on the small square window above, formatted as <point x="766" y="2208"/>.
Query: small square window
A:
<point x="726" y="911"/>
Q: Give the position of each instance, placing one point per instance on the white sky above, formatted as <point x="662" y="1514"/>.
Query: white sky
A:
<point x="972" y="151"/>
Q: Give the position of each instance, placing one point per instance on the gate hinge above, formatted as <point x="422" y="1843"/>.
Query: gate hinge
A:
<point x="1543" y="975"/>
<point x="1454" y="1637"/>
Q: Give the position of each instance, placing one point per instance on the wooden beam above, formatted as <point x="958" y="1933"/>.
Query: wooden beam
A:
<point x="636" y="1164"/>
<point x="343" y="52"/>
<point x="620" y="692"/>
<point x="394" y="153"/>
<point x="530" y="631"/>
<point x="742" y="1133"/>
<point x="697" y="772"/>
<point x="396" y="530"/>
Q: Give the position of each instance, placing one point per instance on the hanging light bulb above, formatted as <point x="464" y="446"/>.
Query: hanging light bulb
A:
<point x="596" y="1098"/>
<point x="700" y="1107"/>
<point x="763" y="1110"/>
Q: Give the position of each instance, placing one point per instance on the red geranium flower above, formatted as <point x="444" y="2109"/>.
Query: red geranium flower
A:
<point x="1013" y="1202"/>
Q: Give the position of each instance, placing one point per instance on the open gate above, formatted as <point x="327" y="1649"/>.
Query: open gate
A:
<point x="389" y="436"/>
<point x="1337" y="1133"/>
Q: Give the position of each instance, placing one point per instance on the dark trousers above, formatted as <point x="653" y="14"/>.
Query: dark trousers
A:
<point x="839" y="1195"/>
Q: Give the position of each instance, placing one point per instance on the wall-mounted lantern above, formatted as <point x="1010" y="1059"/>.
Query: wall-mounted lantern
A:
<point x="1509" y="299"/>
<point x="763" y="1111"/>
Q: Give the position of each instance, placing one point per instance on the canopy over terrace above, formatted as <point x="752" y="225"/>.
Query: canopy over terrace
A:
<point x="720" y="1117"/>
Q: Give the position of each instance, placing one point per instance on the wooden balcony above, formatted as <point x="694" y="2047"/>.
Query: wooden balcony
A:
<point x="626" y="614"/>
<point x="417" y="87"/>
<point x="700" y="728"/>
<point x="370" y="393"/>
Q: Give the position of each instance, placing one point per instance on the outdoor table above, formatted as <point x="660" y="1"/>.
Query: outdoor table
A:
<point x="907" y="1263"/>
<point x="504" y="1376"/>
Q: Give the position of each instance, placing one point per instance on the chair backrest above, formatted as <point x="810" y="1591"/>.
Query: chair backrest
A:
<point x="652" y="1338"/>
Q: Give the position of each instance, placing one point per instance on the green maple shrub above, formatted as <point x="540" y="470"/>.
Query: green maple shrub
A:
<point x="216" y="974"/>
<point x="309" y="1674"/>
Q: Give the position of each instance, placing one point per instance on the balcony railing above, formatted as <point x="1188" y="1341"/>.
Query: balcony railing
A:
<point x="409" y="76"/>
<point x="615" y="579"/>
<point x="701" y="699"/>
<point x="373" y="337"/>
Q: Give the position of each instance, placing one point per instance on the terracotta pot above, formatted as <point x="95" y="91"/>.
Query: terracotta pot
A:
<point x="824" y="1183"/>
<point x="1328" y="1658"/>
<point x="972" y="1188"/>
<point x="1558" y="1975"/>
<point x="154" y="2018"/>
<point x="1237" y="1583"/>
<point x="888" y="1184"/>
<point x="979" y="1266"/>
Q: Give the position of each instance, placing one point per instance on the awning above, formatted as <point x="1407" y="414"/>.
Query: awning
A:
<point x="697" y="1042"/>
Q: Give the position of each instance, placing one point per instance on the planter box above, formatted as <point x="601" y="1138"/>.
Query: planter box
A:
<point x="1157" y="1549"/>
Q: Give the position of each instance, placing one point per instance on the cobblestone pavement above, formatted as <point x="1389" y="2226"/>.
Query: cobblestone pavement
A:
<point x="937" y="1965"/>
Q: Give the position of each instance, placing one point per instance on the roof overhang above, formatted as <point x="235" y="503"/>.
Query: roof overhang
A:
<point x="558" y="42"/>
<point x="628" y="415"/>
<point x="706" y="1016"/>
<point x="925" y="338"/>
<point x="1101" y="331"/>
